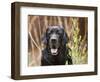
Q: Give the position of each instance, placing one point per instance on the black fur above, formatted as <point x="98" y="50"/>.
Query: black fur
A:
<point x="63" y="51"/>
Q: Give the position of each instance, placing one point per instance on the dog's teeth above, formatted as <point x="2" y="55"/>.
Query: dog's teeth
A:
<point x="53" y="50"/>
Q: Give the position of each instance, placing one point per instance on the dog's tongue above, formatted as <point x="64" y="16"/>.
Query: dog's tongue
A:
<point x="54" y="51"/>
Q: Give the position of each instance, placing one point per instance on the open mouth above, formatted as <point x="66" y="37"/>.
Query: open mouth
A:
<point x="54" y="51"/>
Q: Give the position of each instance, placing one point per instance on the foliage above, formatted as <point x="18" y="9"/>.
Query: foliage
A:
<point x="77" y="44"/>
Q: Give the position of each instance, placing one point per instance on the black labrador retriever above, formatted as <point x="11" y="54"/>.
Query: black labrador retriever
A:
<point x="56" y="52"/>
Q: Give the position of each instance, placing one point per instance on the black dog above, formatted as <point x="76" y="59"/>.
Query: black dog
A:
<point x="56" y="52"/>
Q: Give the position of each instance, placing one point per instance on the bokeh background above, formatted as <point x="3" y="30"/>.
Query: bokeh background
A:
<point x="75" y="27"/>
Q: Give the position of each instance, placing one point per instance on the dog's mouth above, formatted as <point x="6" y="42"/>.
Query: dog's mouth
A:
<point x="54" y="51"/>
<point x="54" y="48"/>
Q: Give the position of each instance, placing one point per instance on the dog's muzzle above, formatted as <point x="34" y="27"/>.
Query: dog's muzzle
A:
<point x="54" y="44"/>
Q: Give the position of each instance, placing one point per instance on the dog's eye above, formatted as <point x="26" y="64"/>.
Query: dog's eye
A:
<point x="58" y="32"/>
<point x="50" y="32"/>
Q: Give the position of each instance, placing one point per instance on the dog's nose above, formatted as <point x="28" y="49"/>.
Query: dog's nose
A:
<point x="53" y="40"/>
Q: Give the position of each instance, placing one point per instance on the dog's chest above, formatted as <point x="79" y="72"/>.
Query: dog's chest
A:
<point x="55" y="60"/>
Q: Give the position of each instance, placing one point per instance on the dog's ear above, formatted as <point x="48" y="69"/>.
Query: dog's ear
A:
<point x="65" y="38"/>
<point x="44" y="38"/>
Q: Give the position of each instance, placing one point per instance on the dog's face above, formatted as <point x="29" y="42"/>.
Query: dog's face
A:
<point x="55" y="38"/>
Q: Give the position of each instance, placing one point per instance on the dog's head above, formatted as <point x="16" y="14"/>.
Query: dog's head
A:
<point x="54" y="38"/>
